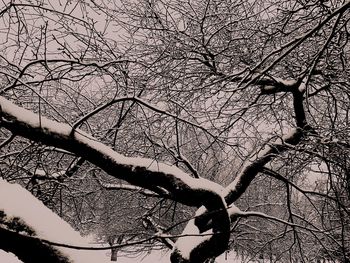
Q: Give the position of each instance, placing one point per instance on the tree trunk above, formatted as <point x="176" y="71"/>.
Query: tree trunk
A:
<point x="114" y="254"/>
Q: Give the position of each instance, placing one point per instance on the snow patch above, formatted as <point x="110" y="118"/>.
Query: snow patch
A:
<point x="302" y="86"/>
<point x="233" y="210"/>
<point x="40" y="172"/>
<point x="6" y="257"/>
<point x="285" y="82"/>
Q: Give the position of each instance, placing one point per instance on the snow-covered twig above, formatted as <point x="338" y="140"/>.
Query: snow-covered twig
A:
<point x="128" y="187"/>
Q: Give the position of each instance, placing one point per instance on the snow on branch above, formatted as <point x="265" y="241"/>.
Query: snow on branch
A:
<point x="128" y="187"/>
<point x="34" y="233"/>
<point x="191" y="238"/>
<point x="235" y="212"/>
<point x="32" y="221"/>
<point x="177" y="155"/>
<point x="256" y="162"/>
<point x="253" y="165"/>
<point x="196" y="244"/>
<point x="143" y="172"/>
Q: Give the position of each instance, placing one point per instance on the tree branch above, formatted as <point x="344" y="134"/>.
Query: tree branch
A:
<point x="142" y="172"/>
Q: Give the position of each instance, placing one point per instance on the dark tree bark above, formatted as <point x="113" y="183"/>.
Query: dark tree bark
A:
<point x="28" y="249"/>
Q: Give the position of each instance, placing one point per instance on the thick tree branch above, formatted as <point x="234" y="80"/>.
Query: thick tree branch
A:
<point x="24" y="246"/>
<point x="256" y="162"/>
<point x="142" y="172"/>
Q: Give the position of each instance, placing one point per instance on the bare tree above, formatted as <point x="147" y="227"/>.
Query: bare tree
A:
<point x="239" y="109"/>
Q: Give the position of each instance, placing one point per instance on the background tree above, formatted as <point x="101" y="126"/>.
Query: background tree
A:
<point x="236" y="108"/>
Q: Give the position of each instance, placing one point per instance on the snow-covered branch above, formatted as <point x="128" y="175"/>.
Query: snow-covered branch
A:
<point x="128" y="187"/>
<point x="142" y="172"/>
<point x="255" y="163"/>
<point x="31" y="229"/>
<point x="177" y="155"/>
<point x="196" y="245"/>
<point x="235" y="212"/>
